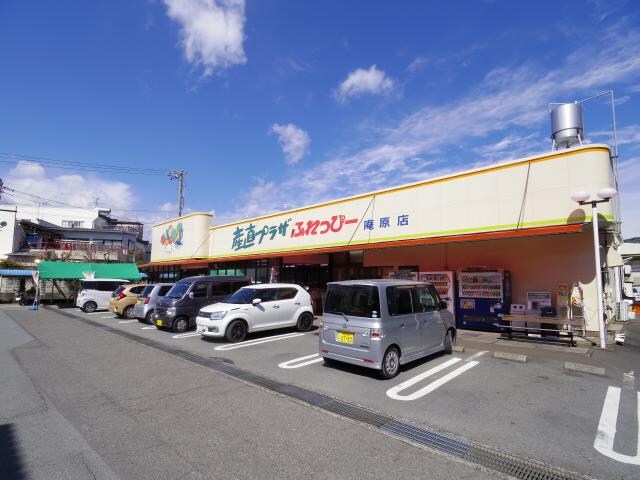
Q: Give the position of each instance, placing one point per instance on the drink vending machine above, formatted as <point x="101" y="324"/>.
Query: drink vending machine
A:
<point x="484" y="295"/>
<point x="444" y="284"/>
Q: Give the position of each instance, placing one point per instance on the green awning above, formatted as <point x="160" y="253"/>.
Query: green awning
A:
<point x="79" y="270"/>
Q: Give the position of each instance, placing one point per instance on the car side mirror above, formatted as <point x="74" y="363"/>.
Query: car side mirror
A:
<point x="443" y="305"/>
<point x="256" y="301"/>
<point x="191" y="295"/>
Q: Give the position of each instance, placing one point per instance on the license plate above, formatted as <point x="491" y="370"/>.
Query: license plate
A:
<point x="159" y="322"/>
<point x="344" y="337"/>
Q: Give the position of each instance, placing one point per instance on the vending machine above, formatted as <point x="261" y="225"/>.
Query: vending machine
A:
<point x="444" y="283"/>
<point x="484" y="295"/>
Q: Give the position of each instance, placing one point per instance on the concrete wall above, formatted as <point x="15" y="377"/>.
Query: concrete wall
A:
<point x="537" y="263"/>
<point x="8" y="234"/>
<point x="56" y="215"/>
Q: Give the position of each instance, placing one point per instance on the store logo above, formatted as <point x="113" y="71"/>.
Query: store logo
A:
<point x="172" y="237"/>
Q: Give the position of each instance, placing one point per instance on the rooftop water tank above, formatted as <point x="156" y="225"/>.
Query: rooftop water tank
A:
<point x="567" y="127"/>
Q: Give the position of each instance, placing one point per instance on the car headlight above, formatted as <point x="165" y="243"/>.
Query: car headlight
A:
<point x="171" y="311"/>
<point x="217" y="315"/>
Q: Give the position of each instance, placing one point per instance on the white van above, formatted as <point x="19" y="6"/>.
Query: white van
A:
<point x="95" y="293"/>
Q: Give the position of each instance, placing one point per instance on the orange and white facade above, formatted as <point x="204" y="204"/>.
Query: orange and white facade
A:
<point x="515" y="216"/>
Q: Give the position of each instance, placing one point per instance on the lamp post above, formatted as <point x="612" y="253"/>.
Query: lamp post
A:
<point x="584" y="198"/>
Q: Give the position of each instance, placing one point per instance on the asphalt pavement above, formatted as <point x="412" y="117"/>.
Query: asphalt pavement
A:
<point x="85" y="403"/>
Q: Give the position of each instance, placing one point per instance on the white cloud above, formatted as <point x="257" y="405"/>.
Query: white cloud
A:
<point x="293" y="140"/>
<point x="212" y="32"/>
<point x="72" y="189"/>
<point x="360" y="81"/>
<point x="417" y="64"/>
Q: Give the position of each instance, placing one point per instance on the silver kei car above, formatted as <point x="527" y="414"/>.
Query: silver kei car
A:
<point x="382" y="324"/>
<point x="146" y="304"/>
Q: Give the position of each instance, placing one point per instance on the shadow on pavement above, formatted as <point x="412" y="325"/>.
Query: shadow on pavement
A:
<point x="11" y="465"/>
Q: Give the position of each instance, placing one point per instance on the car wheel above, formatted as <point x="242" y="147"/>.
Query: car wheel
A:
<point x="149" y="318"/>
<point x="180" y="325"/>
<point x="449" y="341"/>
<point x="236" y="331"/>
<point x="390" y="363"/>
<point x="89" y="307"/>
<point x="305" y="322"/>
<point x="128" y="312"/>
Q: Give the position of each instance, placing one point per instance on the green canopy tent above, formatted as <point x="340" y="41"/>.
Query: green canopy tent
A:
<point x="78" y="270"/>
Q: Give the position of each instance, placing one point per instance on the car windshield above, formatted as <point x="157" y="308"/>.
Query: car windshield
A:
<point x="353" y="300"/>
<point x="179" y="290"/>
<point x="242" y="296"/>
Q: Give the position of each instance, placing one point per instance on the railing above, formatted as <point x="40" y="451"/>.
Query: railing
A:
<point x="79" y="245"/>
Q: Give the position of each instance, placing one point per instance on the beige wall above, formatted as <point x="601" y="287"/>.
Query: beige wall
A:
<point x="193" y="243"/>
<point x="537" y="263"/>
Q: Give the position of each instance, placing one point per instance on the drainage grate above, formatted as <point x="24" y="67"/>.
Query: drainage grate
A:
<point x="428" y="438"/>
<point x="517" y="467"/>
<point x="356" y="413"/>
<point x="480" y="455"/>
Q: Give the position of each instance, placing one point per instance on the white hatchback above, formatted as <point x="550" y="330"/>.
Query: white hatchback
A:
<point x="255" y="308"/>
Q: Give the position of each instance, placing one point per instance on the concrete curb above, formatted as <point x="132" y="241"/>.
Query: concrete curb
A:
<point x="515" y="357"/>
<point x="580" y="367"/>
<point x="458" y="348"/>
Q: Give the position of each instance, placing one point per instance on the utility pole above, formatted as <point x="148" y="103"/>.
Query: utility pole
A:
<point x="1" y="187"/>
<point x="179" y="175"/>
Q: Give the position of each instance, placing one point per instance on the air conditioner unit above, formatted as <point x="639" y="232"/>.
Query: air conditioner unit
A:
<point x="622" y="311"/>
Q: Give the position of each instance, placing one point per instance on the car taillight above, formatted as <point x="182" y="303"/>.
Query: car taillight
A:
<point x="121" y="296"/>
<point x="146" y="300"/>
<point x="377" y="333"/>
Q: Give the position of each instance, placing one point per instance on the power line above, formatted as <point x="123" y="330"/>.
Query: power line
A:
<point x="15" y="158"/>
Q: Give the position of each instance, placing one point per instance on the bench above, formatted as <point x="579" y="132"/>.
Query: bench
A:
<point x="551" y="324"/>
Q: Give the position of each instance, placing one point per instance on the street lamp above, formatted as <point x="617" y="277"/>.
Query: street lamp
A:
<point x="584" y="198"/>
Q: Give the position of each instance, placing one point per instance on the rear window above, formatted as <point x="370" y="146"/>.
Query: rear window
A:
<point x="287" y="293"/>
<point x="117" y="291"/>
<point x="147" y="291"/>
<point x="137" y="290"/>
<point x="163" y="290"/>
<point x="353" y="300"/>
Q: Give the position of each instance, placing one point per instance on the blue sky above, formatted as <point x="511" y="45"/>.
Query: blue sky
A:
<point x="270" y="103"/>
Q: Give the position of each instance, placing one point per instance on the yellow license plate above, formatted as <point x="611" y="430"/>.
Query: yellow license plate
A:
<point x="139" y="302"/>
<point x="345" y="337"/>
<point x="159" y="323"/>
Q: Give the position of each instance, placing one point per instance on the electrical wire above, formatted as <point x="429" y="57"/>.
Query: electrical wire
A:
<point x="15" y="158"/>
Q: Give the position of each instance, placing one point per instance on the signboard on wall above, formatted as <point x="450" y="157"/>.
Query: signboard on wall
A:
<point x="481" y="200"/>
<point x="181" y="238"/>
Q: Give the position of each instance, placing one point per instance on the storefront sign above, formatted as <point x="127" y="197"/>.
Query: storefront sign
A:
<point x="181" y="238"/>
<point x="471" y="202"/>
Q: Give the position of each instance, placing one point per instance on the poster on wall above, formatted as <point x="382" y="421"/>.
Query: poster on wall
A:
<point x="538" y="300"/>
<point x="403" y="275"/>
<point x="563" y="295"/>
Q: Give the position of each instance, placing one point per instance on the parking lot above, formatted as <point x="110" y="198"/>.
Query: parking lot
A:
<point x="535" y="410"/>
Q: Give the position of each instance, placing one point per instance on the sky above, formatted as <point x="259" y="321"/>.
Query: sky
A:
<point x="272" y="104"/>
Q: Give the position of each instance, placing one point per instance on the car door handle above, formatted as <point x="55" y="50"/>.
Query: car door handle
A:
<point x="297" y="303"/>
<point x="276" y="306"/>
<point x="402" y="325"/>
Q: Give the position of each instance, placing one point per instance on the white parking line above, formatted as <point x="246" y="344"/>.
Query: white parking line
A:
<point x="251" y="343"/>
<point x="127" y="321"/>
<point x="394" y="392"/>
<point x="148" y="328"/>
<point x="95" y="313"/>
<point x="607" y="428"/>
<point x="299" y="362"/>
<point x="110" y="316"/>
<point x="186" y="335"/>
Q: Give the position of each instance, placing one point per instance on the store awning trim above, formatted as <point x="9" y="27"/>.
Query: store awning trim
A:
<point x="16" y="273"/>
<point x="79" y="270"/>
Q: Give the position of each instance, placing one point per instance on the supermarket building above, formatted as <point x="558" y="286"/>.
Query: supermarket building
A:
<point x="515" y="217"/>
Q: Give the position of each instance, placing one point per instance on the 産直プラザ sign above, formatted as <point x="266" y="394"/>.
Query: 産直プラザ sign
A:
<point x="528" y="193"/>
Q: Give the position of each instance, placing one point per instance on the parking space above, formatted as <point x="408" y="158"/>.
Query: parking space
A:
<point x="516" y="407"/>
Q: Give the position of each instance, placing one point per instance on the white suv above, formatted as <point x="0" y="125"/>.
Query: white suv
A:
<point x="255" y="308"/>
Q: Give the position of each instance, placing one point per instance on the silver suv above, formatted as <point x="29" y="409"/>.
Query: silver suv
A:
<point x="146" y="304"/>
<point x="383" y="324"/>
